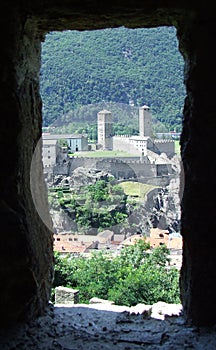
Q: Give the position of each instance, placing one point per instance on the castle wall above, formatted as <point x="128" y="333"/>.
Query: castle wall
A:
<point x="122" y="143"/>
<point x="82" y="162"/>
<point x="165" y="146"/>
<point x="127" y="144"/>
<point x="122" y="168"/>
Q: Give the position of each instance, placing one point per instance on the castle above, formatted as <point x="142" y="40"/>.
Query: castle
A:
<point x="150" y="160"/>
<point x="137" y="145"/>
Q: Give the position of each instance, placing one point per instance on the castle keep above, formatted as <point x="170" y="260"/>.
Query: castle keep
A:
<point x="105" y="130"/>
<point x="145" y="121"/>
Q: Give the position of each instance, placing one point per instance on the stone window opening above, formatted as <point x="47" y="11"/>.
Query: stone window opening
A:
<point x="189" y="317"/>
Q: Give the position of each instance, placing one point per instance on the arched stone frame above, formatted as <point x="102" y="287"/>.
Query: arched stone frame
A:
<point x="26" y="255"/>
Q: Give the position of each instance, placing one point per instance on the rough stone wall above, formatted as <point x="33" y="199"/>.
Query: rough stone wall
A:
<point x="26" y="248"/>
<point x="198" y="277"/>
<point x="26" y="245"/>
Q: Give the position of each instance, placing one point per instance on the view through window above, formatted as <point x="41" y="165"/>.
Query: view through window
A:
<point x="112" y="111"/>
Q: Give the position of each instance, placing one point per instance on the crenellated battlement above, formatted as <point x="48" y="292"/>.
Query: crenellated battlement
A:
<point x="166" y="141"/>
<point x="93" y="160"/>
<point x="122" y="136"/>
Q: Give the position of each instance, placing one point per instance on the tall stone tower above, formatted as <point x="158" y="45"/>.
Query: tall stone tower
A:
<point x="145" y="121"/>
<point x="105" y="129"/>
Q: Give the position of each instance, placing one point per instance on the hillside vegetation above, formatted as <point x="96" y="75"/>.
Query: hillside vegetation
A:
<point x="119" y="69"/>
<point x="99" y="206"/>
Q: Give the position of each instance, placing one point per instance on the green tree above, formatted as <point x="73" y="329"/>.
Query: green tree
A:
<point x="63" y="143"/>
<point x="137" y="275"/>
<point x="98" y="191"/>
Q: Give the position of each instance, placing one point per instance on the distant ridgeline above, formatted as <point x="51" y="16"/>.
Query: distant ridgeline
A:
<point x="130" y="67"/>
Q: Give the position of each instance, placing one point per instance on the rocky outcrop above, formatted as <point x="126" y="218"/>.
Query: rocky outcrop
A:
<point x="165" y="212"/>
<point x="81" y="177"/>
<point x="160" y="209"/>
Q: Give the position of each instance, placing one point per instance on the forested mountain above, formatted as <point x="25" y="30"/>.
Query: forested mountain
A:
<point x="127" y="67"/>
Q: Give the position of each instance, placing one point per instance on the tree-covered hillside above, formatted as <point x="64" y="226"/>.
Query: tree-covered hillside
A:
<point x="125" y="66"/>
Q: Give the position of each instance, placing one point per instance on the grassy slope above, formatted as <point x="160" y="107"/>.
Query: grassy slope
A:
<point x="136" y="189"/>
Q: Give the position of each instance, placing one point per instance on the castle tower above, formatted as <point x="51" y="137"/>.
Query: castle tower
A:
<point x="105" y="129"/>
<point x="145" y="121"/>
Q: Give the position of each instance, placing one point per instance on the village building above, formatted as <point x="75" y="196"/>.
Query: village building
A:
<point x="65" y="244"/>
<point x="75" y="142"/>
<point x="77" y="244"/>
<point x="158" y="237"/>
<point x="49" y="152"/>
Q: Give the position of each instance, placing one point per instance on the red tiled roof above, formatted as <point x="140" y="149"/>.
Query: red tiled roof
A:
<point x="175" y="243"/>
<point x="156" y="232"/>
<point x="63" y="245"/>
<point x="132" y="239"/>
<point x="157" y="238"/>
